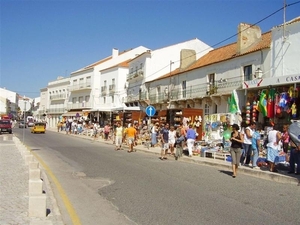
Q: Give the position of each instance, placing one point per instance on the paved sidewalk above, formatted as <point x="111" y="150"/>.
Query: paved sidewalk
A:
<point x="14" y="181"/>
<point x="282" y="176"/>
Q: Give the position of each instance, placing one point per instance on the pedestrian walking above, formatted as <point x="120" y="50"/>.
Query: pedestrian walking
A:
<point x="164" y="136"/>
<point x="190" y="139"/>
<point x="237" y="140"/>
<point x="256" y="146"/>
<point x="119" y="136"/>
<point x="131" y="135"/>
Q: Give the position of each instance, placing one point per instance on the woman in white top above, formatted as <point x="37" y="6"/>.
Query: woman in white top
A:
<point x="274" y="136"/>
<point x="154" y="131"/>
<point x="247" y="149"/>
<point x="172" y="138"/>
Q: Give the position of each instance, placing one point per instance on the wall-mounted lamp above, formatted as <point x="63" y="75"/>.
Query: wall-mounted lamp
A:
<point x="258" y="73"/>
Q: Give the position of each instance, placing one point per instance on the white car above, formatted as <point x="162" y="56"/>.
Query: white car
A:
<point x="30" y="124"/>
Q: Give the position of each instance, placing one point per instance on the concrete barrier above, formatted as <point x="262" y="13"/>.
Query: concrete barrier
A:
<point x="35" y="187"/>
<point x="33" y="165"/>
<point x="34" y="174"/>
<point x="37" y="206"/>
<point x="28" y="158"/>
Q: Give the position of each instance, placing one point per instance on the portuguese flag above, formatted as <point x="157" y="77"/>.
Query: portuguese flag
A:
<point x="271" y="103"/>
<point x="262" y="104"/>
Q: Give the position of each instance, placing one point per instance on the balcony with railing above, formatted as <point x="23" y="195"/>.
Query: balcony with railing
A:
<point x="79" y="105"/>
<point x="81" y="87"/>
<point x="135" y="75"/>
<point x="58" y="97"/>
<point x="56" y="110"/>
<point x="111" y="89"/>
<point x="193" y="91"/>
<point x="131" y="98"/>
<point x="103" y="90"/>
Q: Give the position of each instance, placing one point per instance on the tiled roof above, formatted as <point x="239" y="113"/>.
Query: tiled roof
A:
<point x="222" y="54"/>
<point x="121" y="64"/>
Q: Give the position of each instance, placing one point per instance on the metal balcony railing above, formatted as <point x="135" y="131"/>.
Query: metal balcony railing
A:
<point x="58" y="97"/>
<point x="80" y="87"/>
<point x="55" y="110"/>
<point x="138" y="74"/>
<point x="192" y="92"/>
<point x="79" y="105"/>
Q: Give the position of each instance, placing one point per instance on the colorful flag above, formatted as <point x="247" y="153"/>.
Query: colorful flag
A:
<point x="262" y="104"/>
<point x="271" y="104"/>
<point x="233" y="103"/>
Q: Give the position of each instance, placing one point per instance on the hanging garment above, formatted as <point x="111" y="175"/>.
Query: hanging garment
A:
<point x="270" y="106"/>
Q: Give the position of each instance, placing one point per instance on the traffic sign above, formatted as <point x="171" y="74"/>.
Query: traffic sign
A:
<point x="150" y="110"/>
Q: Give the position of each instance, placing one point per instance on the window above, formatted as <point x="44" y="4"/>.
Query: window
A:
<point x="80" y="99"/>
<point x="74" y="99"/>
<point x="206" y="109"/>
<point x="248" y="72"/>
<point x="141" y="66"/>
<point x="87" y="98"/>
<point x="113" y="81"/>
<point x="183" y="86"/>
<point x="74" y="82"/>
<point x="104" y="83"/>
<point x="104" y="100"/>
<point x="112" y="99"/>
<point x="88" y="81"/>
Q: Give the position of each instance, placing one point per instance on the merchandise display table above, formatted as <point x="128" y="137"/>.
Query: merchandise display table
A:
<point x="216" y="154"/>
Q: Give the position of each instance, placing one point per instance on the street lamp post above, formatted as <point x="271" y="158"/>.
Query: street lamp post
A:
<point x="24" y="120"/>
<point x="169" y="90"/>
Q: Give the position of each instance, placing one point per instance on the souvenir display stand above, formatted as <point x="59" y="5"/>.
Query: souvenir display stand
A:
<point x="133" y="117"/>
<point x="187" y="116"/>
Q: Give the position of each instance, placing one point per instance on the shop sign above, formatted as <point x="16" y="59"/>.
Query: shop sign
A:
<point x="271" y="81"/>
<point x="252" y="83"/>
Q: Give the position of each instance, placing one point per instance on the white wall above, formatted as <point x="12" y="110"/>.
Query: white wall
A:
<point x="286" y="52"/>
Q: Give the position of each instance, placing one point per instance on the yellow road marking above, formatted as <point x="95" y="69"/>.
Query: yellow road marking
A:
<point x="72" y="213"/>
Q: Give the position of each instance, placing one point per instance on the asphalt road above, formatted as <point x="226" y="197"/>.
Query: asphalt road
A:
<point x="115" y="187"/>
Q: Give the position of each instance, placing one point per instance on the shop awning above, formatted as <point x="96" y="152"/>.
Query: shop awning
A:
<point x="73" y="114"/>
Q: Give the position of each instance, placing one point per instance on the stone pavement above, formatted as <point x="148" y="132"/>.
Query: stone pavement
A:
<point x="14" y="189"/>
<point x="282" y="176"/>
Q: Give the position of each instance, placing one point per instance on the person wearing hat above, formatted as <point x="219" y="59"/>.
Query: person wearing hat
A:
<point x="237" y="140"/>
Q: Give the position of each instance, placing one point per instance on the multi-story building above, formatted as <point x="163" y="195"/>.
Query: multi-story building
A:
<point x="87" y="84"/>
<point x="57" y="100"/>
<point x="207" y="83"/>
<point x="44" y="101"/>
<point x="9" y="102"/>
<point x="153" y="64"/>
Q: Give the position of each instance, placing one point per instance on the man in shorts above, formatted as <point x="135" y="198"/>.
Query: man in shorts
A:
<point x="131" y="134"/>
<point x="164" y="136"/>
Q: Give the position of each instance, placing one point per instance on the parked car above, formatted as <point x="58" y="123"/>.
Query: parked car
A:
<point x="22" y="124"/>
<point x="38" y="128"/>
<point x="5" y="126"/>
<point x="30" y="124"/>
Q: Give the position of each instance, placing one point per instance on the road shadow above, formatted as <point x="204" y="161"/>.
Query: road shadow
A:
<point x="229" y="173"/>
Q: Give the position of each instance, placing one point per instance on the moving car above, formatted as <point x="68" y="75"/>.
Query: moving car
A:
<point x="5" y="126"/>
<point x="22" y="124"/>
<point x="38" y="128"/>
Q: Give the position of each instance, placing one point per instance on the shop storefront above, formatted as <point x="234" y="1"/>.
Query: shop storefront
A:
<point x="272" y="100"/>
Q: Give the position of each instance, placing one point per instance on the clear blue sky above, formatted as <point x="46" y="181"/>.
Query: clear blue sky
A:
<point x="44" y="39"/>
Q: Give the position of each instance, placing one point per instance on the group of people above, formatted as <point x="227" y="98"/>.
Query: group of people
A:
<point x="172" y="138"/>
<point x="246" y="145"/>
